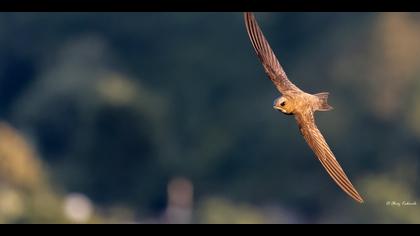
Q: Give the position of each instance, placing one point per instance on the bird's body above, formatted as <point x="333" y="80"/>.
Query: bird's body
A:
<point x="300" y="104"/>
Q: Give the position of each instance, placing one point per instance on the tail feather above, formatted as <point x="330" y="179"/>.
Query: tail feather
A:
<point x="323" y="103"/>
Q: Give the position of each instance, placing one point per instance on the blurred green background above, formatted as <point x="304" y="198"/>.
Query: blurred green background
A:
<point x="167" y="118"/>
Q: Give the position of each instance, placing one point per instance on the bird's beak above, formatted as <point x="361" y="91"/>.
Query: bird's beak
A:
<point x="276" y="107"/>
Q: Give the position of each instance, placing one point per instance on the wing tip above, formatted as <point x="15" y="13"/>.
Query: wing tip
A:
<point x="340" y="178"/>
<point x="247" y="15"/>
<point x="359" y="199"/>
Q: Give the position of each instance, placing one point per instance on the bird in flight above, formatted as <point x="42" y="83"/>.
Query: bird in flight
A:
<point x="300" y="104"/>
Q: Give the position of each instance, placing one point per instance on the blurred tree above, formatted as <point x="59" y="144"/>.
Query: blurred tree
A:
<point x="25" y="193"/>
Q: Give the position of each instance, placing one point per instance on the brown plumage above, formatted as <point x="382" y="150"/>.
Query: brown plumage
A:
<point x="300" y="104"/>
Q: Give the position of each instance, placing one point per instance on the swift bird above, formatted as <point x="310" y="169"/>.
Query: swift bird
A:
<point x="300" y="104"/>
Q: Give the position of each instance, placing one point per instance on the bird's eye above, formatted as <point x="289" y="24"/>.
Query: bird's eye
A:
<point x="282" y="104"/>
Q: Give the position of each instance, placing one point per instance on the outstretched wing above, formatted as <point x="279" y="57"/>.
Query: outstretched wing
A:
<point x="271" y="65"/>
<point x="321" y="149"/>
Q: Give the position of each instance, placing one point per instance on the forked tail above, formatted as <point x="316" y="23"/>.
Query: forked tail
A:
<point x="322" y="102"/>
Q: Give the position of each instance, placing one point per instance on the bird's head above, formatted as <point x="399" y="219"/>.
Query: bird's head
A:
<point x="284" y="105"/>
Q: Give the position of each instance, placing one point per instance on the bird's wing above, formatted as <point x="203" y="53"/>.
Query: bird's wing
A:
<point x="271" y="65"/>
<point x="321" y="149"/>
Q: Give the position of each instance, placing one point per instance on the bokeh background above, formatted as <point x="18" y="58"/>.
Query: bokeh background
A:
<point x="167" y="118"/>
